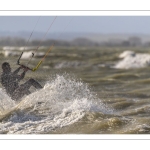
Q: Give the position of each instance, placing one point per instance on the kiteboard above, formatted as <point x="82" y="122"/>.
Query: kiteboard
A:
<point x="12" y="110"/>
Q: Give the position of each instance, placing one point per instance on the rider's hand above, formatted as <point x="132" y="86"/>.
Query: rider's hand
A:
<point x="24" y="68"/>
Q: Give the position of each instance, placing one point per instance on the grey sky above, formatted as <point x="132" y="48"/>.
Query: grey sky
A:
<point x="96" y="24"/>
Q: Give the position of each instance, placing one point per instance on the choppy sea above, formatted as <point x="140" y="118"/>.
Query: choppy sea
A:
<point x="85" y="91"/>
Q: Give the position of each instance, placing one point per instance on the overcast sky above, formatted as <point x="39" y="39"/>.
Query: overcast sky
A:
<point x="95" y="24"/>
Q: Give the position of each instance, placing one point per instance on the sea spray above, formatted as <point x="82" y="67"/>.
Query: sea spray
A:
<point x="5" y="102"/>
<point x="62" y="102"/>
<point x="132" y="60"/>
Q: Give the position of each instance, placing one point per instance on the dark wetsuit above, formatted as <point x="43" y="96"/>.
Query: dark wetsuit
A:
<point x="10" y="81"/>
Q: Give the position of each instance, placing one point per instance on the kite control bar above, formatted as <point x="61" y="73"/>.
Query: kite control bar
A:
<point x="39" y="63"/>
<point x="23" y="66"/>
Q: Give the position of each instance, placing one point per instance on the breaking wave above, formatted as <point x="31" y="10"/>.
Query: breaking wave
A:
<point x="62" y="102"/>
<point x="132" y="60"/>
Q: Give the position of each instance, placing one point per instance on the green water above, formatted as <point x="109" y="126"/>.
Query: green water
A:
<point x="126" y="91"/>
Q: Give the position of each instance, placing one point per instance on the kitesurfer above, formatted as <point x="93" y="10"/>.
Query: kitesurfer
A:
<point x="10" y="81"/>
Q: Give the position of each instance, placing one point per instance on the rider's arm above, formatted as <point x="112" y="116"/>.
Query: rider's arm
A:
<point x="17" y="70"/>
<point x="20" y="77"/>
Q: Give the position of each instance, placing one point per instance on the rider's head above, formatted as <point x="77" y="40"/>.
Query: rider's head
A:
<point x="6" y="67"/>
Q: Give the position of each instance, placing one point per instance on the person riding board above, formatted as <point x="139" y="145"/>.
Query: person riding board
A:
<point x="10" y="81"/>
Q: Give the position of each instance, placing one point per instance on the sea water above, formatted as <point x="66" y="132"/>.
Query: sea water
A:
<point x="84" y="92"/>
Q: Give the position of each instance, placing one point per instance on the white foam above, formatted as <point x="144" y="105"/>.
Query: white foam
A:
<point x="65" y="101"/>
<point x="5" y="102"/>
<point x="127" y="53"/>
<point x="28" y="54"/>
<point x="10" y="48"/>
<point x="25" y="55"/>
<point x="8" y="53"/>
<point x="133" y="60"/>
